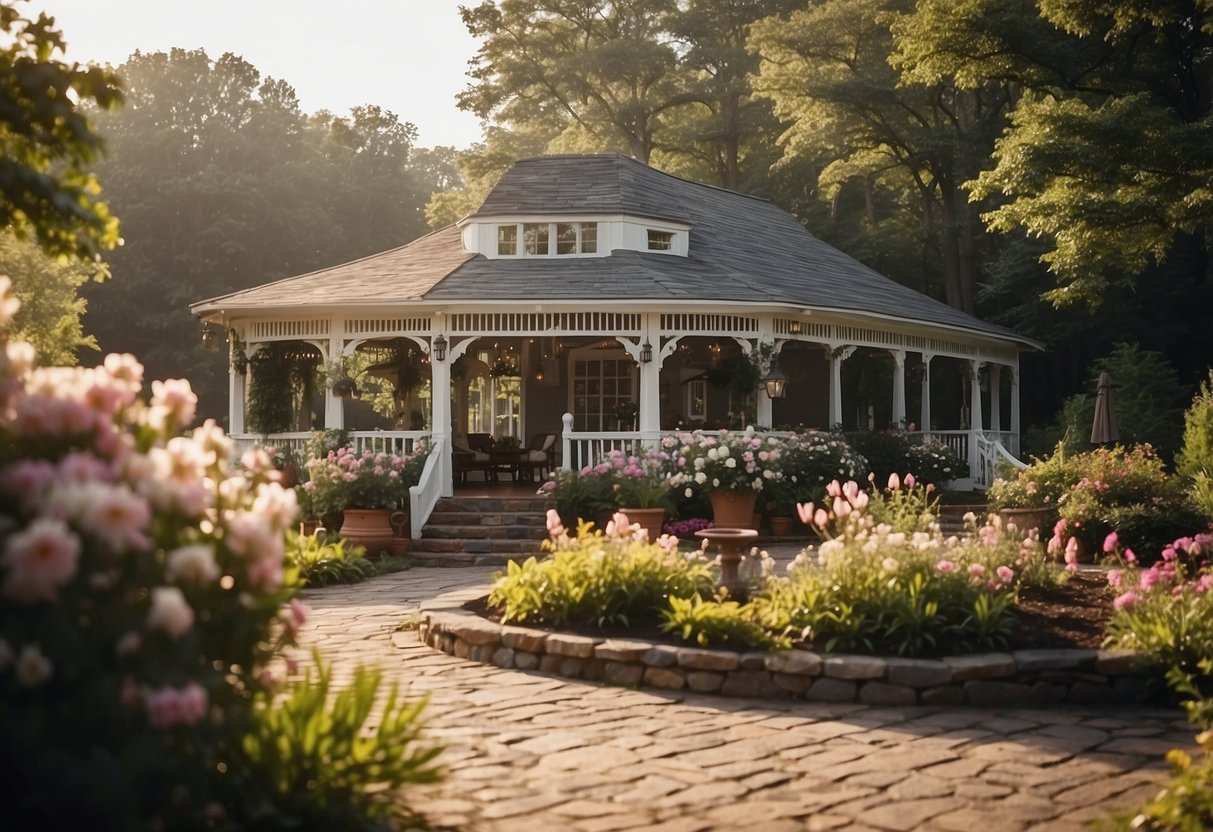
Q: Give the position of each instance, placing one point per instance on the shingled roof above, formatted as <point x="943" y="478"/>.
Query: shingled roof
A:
<point x="741" y="249"/>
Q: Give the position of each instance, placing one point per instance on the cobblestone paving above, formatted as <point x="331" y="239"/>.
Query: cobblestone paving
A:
<point x="533" y="753"/>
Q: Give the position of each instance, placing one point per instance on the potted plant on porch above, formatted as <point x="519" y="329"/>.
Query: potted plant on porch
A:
<point x="731" y="467"/>
<point x="366" y="488"/>
<point x="641" y="488"/>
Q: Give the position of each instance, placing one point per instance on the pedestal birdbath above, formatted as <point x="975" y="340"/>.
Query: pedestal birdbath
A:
<point x="731" y="543"/>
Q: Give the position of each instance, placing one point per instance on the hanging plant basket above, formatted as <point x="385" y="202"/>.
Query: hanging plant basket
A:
<point x="344" y="388"/>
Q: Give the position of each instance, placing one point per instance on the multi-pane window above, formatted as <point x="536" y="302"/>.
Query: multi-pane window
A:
<point x="600" y="385"/>
<point x="660" y="240"/>
<point x="589" y="237"/>
<point x="507" y="240"/>
<point x="535" y="238"/>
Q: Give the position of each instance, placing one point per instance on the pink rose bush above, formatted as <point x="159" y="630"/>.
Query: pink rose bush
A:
<point x="703" y="462"/>
<point x="142" y="600"/>
<point x="346" y="478"/>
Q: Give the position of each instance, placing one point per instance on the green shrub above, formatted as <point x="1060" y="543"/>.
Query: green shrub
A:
<point x="1195" y="459"/>
<point x="808" y="461"/>
<point x="322" y="561"/>
<point x="580" y="495"/>
<point x="311" y="759"/>
<point x="598" y="580"/>
<point x="880" y="590"/>
<point x="715" y="622"/>
<point x="898" y="452"/>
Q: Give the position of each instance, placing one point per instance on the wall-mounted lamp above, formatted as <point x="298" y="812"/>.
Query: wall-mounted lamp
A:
<point x="539" y="374"/>
<point x="440" y="348"/>
<point x="775" y="381"/>
<point x="646" y="352"/>
<point x="210" y="338"/>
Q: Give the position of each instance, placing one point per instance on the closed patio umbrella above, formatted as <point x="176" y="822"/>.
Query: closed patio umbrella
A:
<point x="1103" y="429"/>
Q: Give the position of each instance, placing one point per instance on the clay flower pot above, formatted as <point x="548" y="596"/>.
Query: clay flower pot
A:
<point x="733" y="509"/>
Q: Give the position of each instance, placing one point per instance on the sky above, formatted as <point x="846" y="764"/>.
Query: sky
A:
<point x="407" y="56"/>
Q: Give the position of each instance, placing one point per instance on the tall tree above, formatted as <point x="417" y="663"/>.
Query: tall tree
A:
<point x="1109" y="153"/>
<point x="827" y="71"/>
<point x="606" y="65"/>
<point x="48" y="144"/>
<point x="224" y="183"/>
<point x="51" y="309"/>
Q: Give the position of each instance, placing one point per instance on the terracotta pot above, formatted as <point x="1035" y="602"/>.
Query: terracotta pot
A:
<point x="733" y="509"/>
<point x="650" y="519"/>
<point x="307" y="528"/>
<point x="782" y="526"/>
<point x="368" y="527"/>
<point x="399" y="546"/>
<point x="1026" y="519"/>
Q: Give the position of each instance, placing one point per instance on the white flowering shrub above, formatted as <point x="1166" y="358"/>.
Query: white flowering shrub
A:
<point x="142" y="598"/>
<point x="702" y="462"/>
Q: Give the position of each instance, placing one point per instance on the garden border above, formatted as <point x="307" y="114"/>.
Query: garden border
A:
<point x="1021" y="678"/>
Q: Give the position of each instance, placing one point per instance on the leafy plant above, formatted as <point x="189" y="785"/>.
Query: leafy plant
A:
<point x="599" y="579"/>
<point x="315" y="751"/>
<point x="702" y="462"/>
<point x="346" y="479"/>
<point x="1195" y="459"/>
<point x="324" y="561"/>
<point x="891" y="452"/>
<point x="283" y="374"/>
<point x="808" y="461"/>
<point x="712" y="621"/>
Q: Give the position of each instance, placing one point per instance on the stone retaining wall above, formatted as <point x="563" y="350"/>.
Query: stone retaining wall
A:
<point x="1028" y="678"/>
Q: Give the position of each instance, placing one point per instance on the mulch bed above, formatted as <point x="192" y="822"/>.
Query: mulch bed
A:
<point x="1072" y="615"/>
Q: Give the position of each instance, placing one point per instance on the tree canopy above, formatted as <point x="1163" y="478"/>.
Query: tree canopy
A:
<point x="48" y="143"/>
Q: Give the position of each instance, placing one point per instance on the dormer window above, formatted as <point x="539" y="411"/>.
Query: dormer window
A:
<point x="660" y="240"/>
<point x="535" y="238"/>
<point x="542" y="239"/>
<point x="507" y="240"/>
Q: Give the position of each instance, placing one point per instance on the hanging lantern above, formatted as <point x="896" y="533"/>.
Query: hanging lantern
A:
<point x="775" y="381"/>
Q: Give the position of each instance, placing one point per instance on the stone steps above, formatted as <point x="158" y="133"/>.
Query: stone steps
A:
<point x="482" y="530"/>
<point x="951" y="517"/>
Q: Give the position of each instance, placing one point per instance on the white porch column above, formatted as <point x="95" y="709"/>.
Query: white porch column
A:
<point x="1015" y="409"/>
<point x="837" y="356"/>
<point x="649" y="420"/>
<point x="334" y="405"/>
<point x="236" y="392"/>
<point x="974" y="415"/>
<point x="995" y="397"/>
<point x="440" y="415"/>
<point x="925" y="416"/>
<point x="899" y="388"/>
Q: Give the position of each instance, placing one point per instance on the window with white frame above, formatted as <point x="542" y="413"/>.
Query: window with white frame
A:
<point x="535" y="238"/>
<point x="507" y="240"/>
<point x="660" y="240"/>
<point x="601" y="383"/>
<point x="576" y="238"/>
<point x="697" y="400"/>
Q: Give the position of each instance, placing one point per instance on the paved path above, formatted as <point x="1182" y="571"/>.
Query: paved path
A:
<point x="534" y="753"/>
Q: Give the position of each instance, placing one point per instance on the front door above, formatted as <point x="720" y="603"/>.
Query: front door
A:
<point x="603" y="390"/>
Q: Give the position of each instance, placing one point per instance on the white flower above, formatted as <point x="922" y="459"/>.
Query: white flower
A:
<point x="33" y="668"/>
<point x="730" y="463"/>
<point x="194" y="563"/>
<point x="690" y="492"/>
<point x="170" y="611"/>
<point x="701" y="477"/>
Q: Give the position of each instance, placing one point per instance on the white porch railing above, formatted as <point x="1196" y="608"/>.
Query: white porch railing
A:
<point x="400" y="442"/>
<point x="957" y="440"/>
<point x="991" y="453"/>
<point x="425" y="494"/>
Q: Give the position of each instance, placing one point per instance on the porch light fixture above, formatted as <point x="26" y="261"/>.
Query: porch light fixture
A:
<point x="440" y="348"/>
<point x="646" y="352"/>
<point x="210" y="338"/>
<point x="775" y="381"/>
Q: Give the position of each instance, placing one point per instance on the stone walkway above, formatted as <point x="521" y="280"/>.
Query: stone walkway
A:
<point x="533" y="753"/>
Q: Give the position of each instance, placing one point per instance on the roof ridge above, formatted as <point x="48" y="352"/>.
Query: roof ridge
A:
<point x="623" y="157"/>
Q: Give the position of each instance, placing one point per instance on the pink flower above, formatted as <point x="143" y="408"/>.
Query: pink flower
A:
<point x="39" y="560"/>
<point x="976" y="570"/>
<point x="1072" y="552"/>
<point x="1110" y="542"/>
<point x="1115" y="578"/>
<point x="170" y="611"/>
<point x="909" y="480"/>
<point x="947" y="567"/>
<point x="1129" y="556"/>
<point x="555" y="526"/>
<point x="1128" y="599"/>
<point x="805" y="512"/>
<point x="1005" y="574"/>
<point x="894" y="482"/>
<point x="168" y="707"/>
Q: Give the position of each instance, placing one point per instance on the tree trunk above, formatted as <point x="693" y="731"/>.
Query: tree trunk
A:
<point x="958" y="269"/>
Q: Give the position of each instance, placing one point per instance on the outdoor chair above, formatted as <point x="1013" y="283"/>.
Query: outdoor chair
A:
<point x="540" y="455"/>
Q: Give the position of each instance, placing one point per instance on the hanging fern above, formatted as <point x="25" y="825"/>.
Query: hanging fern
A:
<point x="282" y="373"/>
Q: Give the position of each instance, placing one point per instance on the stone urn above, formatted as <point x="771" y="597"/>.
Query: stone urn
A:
<point x="733" y="509"/>
<point x="650" y="519"/>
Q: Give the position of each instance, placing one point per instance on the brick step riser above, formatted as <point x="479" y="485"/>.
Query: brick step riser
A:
<point x="520" y="505"/>
<point x="478" y="547"/>
<point x="483" y="533"/>
<point x="461" y="518"/>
